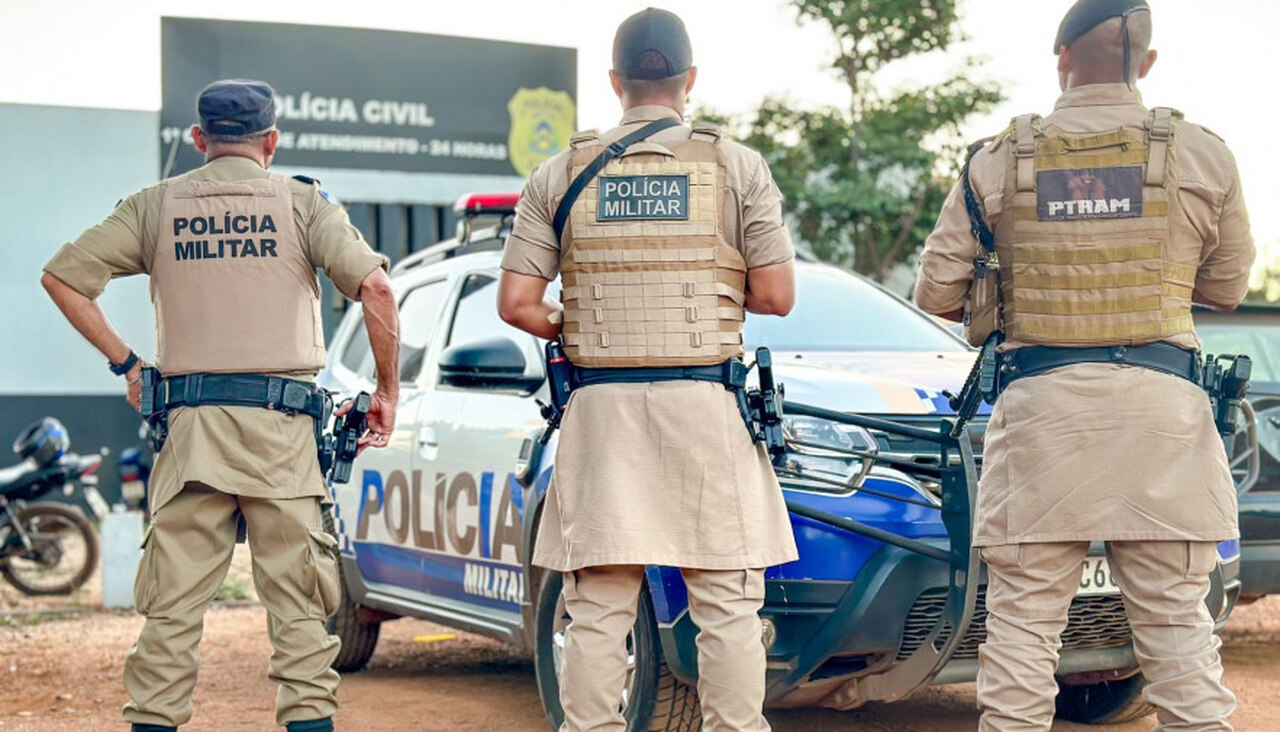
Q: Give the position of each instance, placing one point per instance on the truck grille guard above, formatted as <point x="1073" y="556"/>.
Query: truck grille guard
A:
<point x="959" y="481"/>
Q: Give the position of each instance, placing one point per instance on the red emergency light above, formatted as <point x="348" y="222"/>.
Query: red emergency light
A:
<point x="474" y="204"/>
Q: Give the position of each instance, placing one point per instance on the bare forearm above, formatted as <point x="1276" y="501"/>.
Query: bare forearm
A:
<point x="87" y="317"/>
<point x="523" y="304"/>
<point x="382" y="321"/>
<point x="771" y="289"/>
<point x="541" y="319"/>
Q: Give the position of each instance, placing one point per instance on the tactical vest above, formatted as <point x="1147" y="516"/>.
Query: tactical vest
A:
<point x="234" y="292"/>
<point x="648" y="277"/>
<point x="1083" y="238"/>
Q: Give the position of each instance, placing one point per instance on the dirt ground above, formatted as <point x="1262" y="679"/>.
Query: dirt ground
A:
<point x="60" y="672"/>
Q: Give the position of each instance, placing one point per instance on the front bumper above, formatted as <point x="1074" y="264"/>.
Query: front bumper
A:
<point x="830" y="637"/>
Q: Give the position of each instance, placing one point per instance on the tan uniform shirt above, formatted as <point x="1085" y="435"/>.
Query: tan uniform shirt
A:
<point x="240" y="450"/>
<point x="660" y="473"/>
<point x="1098" y="451"/>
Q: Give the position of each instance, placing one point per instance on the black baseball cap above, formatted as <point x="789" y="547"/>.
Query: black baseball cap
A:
<point x="1086" y="15"/>
<point x="651" y="31"/>
<point x="236" y="107"/>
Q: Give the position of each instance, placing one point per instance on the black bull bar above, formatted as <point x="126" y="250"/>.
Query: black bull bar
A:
<point x="956" y="472"/>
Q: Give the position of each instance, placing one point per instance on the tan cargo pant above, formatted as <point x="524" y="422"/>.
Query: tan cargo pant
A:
<point x="1164" y="584"/>
<point x="725" y="606"/>
<point x="186" y="553"/>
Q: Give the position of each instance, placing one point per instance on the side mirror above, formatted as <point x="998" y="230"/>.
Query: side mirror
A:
<point x="493" y="363"/>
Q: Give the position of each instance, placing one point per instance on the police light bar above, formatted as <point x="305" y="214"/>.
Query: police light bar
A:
<point x="477" y="204"/>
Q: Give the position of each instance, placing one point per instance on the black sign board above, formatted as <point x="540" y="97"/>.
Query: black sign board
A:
<point x="376" y="100"/>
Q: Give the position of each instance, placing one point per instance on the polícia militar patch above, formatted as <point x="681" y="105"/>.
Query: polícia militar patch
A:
<point x="643" y="198"/>
<point x="1089" y="193"/>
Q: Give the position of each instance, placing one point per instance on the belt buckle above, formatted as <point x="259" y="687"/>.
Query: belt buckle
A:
<point x="1119" y="354"/>
<point x="295" y="397"/>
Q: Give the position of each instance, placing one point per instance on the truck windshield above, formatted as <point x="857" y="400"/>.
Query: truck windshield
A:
<point x="837" y="311"/>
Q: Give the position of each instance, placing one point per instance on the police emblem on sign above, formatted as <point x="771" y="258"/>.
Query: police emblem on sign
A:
<point x="542" y="121"/>
<point x="1089" y="193"/>
<point x="643" y="198"/>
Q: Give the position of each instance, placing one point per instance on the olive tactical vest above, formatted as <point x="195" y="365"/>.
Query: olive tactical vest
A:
<point x="1083" y="238"/>
<point x="234" y="292"/>
<point x="648" y="278"/>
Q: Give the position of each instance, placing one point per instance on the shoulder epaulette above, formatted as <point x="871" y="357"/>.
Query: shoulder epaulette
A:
<point x="583" y="138"/>
<point x="306" y="179"/>
<point x="706" y="131"/>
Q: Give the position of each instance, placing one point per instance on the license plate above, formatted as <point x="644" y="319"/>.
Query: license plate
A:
<point x="96" y="501"/>
<point x="1095" y="578"/>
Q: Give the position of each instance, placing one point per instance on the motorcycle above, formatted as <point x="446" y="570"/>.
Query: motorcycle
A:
<point x="134" y="471"/>
<point x="48" y="548"/>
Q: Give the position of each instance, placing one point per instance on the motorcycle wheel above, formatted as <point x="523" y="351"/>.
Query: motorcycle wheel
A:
<point x="63" y="554"/>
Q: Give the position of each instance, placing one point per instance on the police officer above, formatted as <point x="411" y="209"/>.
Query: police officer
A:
<point x="232" y="252"/>
<point x="1109" y="220"/>
<point x="660" y="251"/>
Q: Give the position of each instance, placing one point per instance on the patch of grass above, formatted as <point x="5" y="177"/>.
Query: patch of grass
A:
<point x="233" y="589"/>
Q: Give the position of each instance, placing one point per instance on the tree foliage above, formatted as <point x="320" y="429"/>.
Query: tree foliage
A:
<point x="865" y="181"/>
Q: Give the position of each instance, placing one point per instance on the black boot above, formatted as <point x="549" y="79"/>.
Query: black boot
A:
<point x="313" y="725"/>
<point x="153" y="728"/>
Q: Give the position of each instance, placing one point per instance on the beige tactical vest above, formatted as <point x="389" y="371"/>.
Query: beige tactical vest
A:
<point x="233" y="289"/>
<point x="648" y="278"/>
<point x="1083" y="240"/>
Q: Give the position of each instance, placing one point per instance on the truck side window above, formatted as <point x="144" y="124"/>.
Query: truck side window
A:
<point x="419" y="312"/>
<point x="477" y="315"/>
<point x="476" y="318"/>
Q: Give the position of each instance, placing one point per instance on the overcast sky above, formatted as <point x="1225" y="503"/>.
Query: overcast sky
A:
<point x="1218" y="60"/>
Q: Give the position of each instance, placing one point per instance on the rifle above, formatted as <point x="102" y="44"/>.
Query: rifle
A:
<point x="980" y="386"/>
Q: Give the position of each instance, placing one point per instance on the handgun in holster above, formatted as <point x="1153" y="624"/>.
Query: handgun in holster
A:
<point x="1226" y="386"/>
<point x="155" y="415"/>
<point x="338" y="450"/>
<point x="765" y="407"/>
<point x="561" y="383"/>
<point x="982" y="385"/>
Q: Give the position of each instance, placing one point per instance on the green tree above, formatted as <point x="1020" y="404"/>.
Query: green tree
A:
<point x="865" y="181"/>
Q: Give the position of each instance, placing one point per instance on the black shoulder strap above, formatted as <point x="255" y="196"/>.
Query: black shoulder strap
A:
<point x="593" y="169"/>
<point x="977" y="221"/>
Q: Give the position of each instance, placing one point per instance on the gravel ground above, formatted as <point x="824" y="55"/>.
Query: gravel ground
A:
<point x="60" y="672"/>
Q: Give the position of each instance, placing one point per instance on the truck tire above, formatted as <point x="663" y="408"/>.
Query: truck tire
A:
<point x="358" y="638"/>
<point x="1103" y="702"/>
<point x="655" y="700"/>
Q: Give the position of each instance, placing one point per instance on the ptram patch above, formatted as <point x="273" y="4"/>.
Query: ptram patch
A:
<point x="1090" y="193"/>
<point x="643" y="198"/>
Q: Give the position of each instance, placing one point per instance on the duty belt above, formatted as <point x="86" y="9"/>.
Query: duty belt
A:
<point x="242" y="390"/>
<point x="732" y="374"/>
<point x="1163" y="357"/>
<point x="161" y="394"/>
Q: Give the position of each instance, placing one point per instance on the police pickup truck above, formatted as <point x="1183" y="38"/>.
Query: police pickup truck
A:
<point x="440" y="525"/>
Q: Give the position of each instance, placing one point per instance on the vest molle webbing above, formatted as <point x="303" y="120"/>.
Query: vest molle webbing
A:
<point x="648" y="278"/>
<point x="233" y="289"/>
<point x="1083" y="239"/>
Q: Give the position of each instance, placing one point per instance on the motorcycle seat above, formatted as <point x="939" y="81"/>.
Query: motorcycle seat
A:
<point x="17" y="476"/>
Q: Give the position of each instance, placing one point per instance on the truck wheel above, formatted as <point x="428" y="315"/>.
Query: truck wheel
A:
<point x="1103" y="702"/>
<point x="653" y="700"/>
<point x="358" y="638"/>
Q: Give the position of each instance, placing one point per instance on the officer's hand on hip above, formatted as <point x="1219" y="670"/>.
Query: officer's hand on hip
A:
<point x="134" y="391"/>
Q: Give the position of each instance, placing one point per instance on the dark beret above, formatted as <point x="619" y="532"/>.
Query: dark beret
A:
<point x="1086" y="15"/>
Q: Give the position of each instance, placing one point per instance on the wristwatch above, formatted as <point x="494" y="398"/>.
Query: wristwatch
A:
<point x="120" y="369"/>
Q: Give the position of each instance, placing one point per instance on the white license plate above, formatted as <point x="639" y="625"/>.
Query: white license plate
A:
<point x="96" y="501"/>
<point x="1095" y="578"/>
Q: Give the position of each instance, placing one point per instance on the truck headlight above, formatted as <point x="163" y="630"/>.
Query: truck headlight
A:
<point x="1269" y="431"/>
<point x="834" y="455"/>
